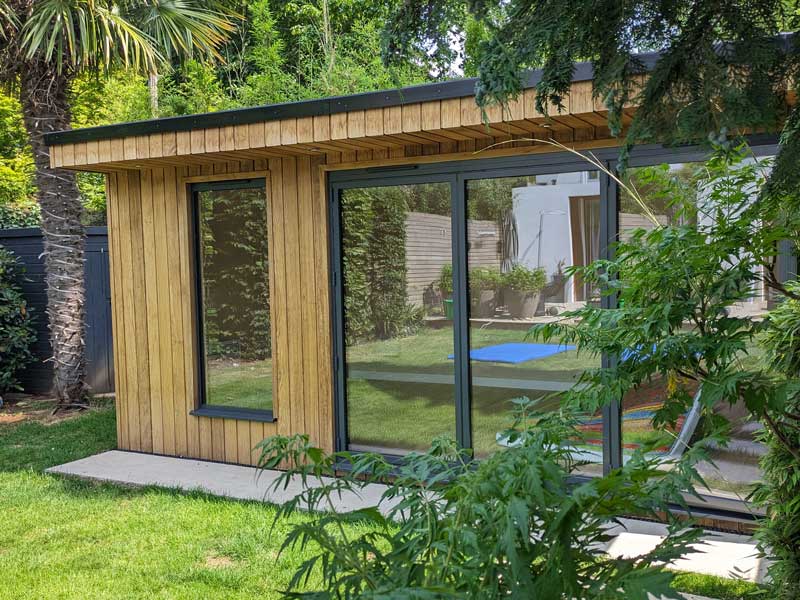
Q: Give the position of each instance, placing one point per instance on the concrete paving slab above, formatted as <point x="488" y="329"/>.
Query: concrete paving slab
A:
<point x="729" y="555"/>
<point x="721" y="554"/>
<point x="231" y="481"/>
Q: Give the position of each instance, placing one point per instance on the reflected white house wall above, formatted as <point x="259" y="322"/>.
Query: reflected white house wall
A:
<point x="542" y="212"/>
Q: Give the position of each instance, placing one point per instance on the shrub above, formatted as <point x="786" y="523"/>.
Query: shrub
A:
<point x="517" y="525"/>
<point x="18" y="207"/>
<point x="522" y="279"/>
<point x="16" y="331"/>
<point x="484" y="278"/>
<point x="779" y="492"/>
<point x="678" y="287"/>
<point x="446" y="280"/>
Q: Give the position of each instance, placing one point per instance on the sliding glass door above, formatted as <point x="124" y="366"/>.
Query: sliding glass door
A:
<point x="441" y="279"/>
<point x="396" y="259"/>
<point x="524" y="233"/>
<point x="441" y="270"/>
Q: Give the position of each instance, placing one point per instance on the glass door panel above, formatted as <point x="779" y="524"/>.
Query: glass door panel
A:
<point x="396" y="252"/>
<point x="523" y="233"/>
<point x="731" y="472"/>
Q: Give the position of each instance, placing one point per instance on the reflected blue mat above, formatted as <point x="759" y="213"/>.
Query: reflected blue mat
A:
<point x="515" y="353"/>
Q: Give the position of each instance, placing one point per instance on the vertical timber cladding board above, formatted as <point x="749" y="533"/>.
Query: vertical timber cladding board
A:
<point x="124" y="305"/>
<point x="429" y="248"/>
<point x="117" y="312"/>
<point x="154" y="313"/>
<point x="150" y="217"/>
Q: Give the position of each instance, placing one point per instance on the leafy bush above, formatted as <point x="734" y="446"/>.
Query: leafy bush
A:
<point x="16" y="331"/>
<point x="18" y="207"/>
<point x="522" y="279"/>
<point x="92" y="187"/>
<point x="678" y="288"/>
<point x="446" y="280"/>
<point x="779" y="493"/>
<point x="484" y="278"/>
<point x="374" y="264"/>
<point x="516" y="525"/>
<point x="236" y="276"/>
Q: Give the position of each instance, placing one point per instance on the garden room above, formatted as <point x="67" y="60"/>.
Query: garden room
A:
<point x="371" y="270"/>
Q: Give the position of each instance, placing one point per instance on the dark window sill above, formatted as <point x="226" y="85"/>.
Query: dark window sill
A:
<point x="228" y="412"/>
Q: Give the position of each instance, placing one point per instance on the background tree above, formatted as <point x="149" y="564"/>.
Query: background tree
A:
<point x="45" y="45"/>
<point x="722" y="66"/>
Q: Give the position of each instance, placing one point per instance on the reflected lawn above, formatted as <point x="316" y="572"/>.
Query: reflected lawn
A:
<point x="241" y="384"/>
<point x="406" y="414"/>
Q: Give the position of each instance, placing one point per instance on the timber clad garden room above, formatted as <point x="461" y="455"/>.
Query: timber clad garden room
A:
<point x="365" y="269"/>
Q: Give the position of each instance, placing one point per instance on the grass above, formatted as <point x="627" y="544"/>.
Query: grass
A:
<point x="715" y="587"/>
<point x="67" y="539"/>
<point x="406" y="415"/>
<point x="32" y="445"/>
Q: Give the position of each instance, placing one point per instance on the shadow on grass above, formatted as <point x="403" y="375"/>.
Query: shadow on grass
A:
<point x="88" y="490"/>
<point x="34" y="446"/>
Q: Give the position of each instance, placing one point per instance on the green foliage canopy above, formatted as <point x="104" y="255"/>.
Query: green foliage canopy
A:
<point x="514" y="525"/>
<point x="721" y="66"/>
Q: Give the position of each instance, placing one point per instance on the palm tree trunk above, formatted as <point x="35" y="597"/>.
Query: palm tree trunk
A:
<point x="152" y="86"/>
<point x="45" y="107"/>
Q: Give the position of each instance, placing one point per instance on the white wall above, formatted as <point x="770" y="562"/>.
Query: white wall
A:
<point x="543" y="220"/>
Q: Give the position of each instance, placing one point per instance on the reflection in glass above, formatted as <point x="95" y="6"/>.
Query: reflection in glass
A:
<point x="733" y="470"/>
<point x="523" y="233"/>
<point x="234" y="273"/>
<point x="396" y="261"/>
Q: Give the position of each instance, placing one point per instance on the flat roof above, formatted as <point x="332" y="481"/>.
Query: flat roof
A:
<point x="458" y="88"/>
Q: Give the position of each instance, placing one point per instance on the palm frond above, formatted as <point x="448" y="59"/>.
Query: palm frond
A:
<point x="8" y="19"/>
<point x="98" y="34"/>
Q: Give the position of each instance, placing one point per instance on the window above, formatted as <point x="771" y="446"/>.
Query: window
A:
<point x="731" y="471"/>
<point x="397" y="270"/>
<point x="442" y="277"/>
<point x="233" y="296"/>
<point x="445" y="267"/>
<point x="523" y="234"/>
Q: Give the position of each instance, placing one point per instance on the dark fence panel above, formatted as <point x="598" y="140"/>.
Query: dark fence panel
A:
<point x="27" y="245"/>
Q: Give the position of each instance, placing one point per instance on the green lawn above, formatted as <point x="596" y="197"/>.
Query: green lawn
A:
<point x="64" y="539"/>
<point x="406" y="414"/>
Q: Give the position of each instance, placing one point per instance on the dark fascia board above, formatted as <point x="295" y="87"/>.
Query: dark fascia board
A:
<point x="307" y="108"/>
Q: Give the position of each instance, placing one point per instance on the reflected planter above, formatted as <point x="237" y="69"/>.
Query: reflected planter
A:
<point x="522" y="305"/>
<point x="483" y="304"/>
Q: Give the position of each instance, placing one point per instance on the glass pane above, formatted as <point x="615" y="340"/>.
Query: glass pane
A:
<point x="523" y="233"/>
<point x="397" y="256"/>
<point x="234" y="271"/>
<point x="732" y="471"/>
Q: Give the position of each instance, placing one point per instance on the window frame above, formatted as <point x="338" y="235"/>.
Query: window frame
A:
<point x="459" y="172"/>
<point x="194" y="187"/>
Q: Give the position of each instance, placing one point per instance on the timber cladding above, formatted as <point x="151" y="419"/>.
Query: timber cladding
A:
<point x="154" y="321"/>
<point x="446" y="123"/>
<point x="151" y="247"/>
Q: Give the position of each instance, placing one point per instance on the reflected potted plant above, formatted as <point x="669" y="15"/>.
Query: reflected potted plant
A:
<point x="523" y="290"/>
<point x="483" y="285"/>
